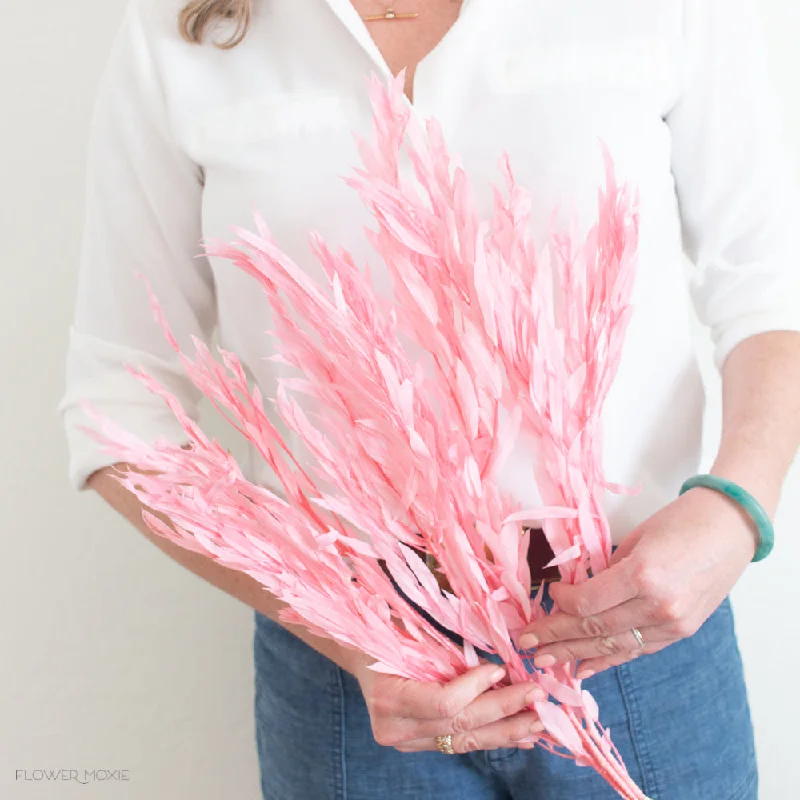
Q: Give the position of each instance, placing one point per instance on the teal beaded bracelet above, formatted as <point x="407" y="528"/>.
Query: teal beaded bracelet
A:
<point x="766" y="533"/>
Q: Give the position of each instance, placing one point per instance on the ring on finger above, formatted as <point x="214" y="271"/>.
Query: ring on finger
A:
<point x="445" y="744"/>
<point x="637" y="634"/>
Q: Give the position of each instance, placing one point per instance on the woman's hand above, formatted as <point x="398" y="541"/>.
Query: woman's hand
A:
<point x="666" y="579"/>
<point x="408" y="715"/>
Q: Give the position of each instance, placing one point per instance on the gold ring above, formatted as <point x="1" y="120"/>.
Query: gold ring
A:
<point x="445" y="745"/>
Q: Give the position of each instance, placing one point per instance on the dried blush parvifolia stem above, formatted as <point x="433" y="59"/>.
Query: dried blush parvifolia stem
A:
<point x="406" y="407"/>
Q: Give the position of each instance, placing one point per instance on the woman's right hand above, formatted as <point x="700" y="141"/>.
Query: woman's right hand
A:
<point x="409" y="715"/>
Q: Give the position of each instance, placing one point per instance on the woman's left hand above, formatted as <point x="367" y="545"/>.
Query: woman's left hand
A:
<point x="666" y="578"/>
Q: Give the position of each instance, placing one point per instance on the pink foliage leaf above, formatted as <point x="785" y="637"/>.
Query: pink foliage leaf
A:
<point x="559" y="725"/>
<point x="407" y="407"/>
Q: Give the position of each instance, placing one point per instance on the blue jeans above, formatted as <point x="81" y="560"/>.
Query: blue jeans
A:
<point x="679" y="718"/>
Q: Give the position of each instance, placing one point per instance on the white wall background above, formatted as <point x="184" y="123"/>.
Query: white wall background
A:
<point x="112" y="656"/>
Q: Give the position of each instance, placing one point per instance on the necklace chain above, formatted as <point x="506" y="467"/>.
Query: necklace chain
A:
<point x="391" y="14"/>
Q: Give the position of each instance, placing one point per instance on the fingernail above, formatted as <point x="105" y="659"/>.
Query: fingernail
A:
<point x="528" y="640"/>
<point x="497" y="675"/>
<point x="584" y="674"/>
<point x="534" y="695"/>
<point x="527" y="740"/>
<point x="544" y="661"/>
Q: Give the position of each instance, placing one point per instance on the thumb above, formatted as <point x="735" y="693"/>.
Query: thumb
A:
<point x="625" y="547"/>
<point x="563" y="596"/>
<point x="605" y="590"/>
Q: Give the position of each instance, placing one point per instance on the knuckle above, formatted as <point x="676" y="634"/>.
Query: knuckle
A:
<point x="683" y="628"/>
<point x="519" y="732"/>
<point x="583" y="607"/>
<point x="545" y="632"/>
<point x="609" y="646"/>
<point x="381" y="706"/>
<point x="523" y="727"/>
<point x="462" y="722"/>
<point x="568" y="653"/>
<point x="370" y="697"/>
<point x="646" y="579"/>
<point x="593" y="627"/>
<point x="511" y="704"/>
<point x="384" y="736"/>
<point x="466" y="744"/>
<point x="669" y="609"/>
<point x="446" y="707"/>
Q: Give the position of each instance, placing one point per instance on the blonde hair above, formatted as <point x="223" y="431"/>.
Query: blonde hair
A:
<point x="198" y="16"/>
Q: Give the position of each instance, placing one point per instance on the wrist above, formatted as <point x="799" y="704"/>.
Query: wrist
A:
<point x="355" y="662"/>
<point x="764" y="485"/>
<point x="729" y="517"/>
<point x="753" y="516"/>
<point x="348" y="658"/>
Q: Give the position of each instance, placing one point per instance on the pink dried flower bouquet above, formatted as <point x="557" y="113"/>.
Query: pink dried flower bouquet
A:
<point x="403" y="452"/>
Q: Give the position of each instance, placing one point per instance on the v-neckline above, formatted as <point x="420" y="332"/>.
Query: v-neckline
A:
<point x="351" y="19"/>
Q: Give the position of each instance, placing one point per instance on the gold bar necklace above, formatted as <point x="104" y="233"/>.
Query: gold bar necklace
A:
<point x="390" y="14"/>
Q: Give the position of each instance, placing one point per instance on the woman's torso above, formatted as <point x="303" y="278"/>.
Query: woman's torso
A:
<point x="270" y="124"/>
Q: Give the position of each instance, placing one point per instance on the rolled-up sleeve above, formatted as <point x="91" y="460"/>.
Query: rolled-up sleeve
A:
<point x="142" y="215"/>
<point x="735" y="177"/>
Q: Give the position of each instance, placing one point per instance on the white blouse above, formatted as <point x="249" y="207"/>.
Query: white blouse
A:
<point x="186" y="139"/>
